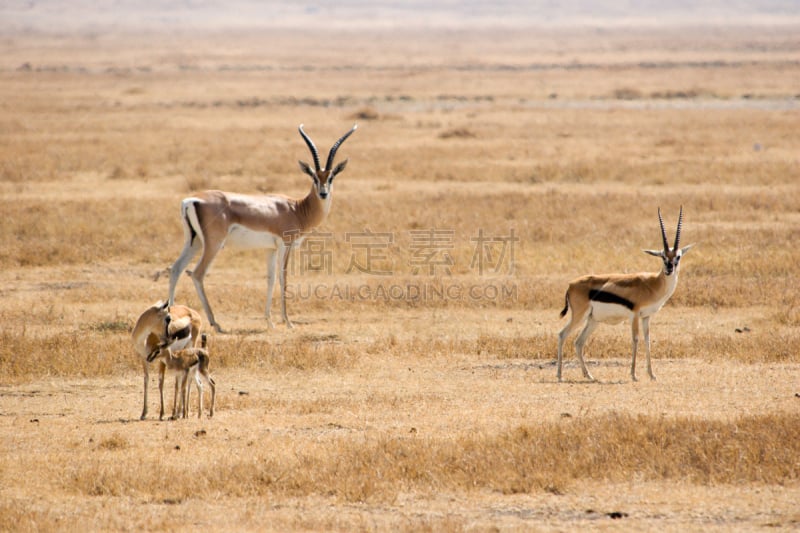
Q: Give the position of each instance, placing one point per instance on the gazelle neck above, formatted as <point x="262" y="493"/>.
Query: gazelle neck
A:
<point x="312" y="210"/>
<point x="669" y="282"/>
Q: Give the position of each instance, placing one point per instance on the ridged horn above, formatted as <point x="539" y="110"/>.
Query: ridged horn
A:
<point x="311" y="147"/>
<point x="663" y="232"/>
<point x="336" y="145"/>
<point x="678" y="231"/>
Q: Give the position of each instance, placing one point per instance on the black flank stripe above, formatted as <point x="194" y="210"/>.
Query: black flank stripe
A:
<point x="609" y="298"/>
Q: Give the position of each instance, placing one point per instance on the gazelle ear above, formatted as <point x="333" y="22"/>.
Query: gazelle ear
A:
<point x="339" y="168"/>
<point x="686" y="248"/>
<point x="657" y="253"/>
<point x="307" y="169"/>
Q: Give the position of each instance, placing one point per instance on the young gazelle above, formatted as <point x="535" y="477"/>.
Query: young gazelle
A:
<point x="613" y="298"/>
<point x="186" y="364"/>
<point x="213" y="219"/>
<point x="152" y="329"/>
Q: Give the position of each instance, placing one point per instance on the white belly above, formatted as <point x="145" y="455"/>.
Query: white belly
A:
<point x="610" y="313"/>
<point x="241" y="237"/>
<point x="180" y="344"/>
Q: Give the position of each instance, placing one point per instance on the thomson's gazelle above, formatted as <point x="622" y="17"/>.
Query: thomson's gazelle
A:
<point x="612" y="298"/>
<point x="189" y="363"/>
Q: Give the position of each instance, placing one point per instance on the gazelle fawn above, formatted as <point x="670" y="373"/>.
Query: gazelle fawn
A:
<point x="189" y="363"/>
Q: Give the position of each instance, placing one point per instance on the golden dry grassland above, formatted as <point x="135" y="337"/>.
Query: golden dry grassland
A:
<point x="418" y="390"/>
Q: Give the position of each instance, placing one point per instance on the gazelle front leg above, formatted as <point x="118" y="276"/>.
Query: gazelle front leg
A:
<point x="146" y="380"/>
<point x="272" y="265"/>
<point x="285" y="251"/>
<point x="646" y="328"/>
<point x="162" y="369"/>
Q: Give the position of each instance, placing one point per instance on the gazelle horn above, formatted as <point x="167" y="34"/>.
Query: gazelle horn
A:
<point x="311" y="147"/>
<point x="335" y="146"/>
<point x="678" y="231"/>
<point x="663" y="232"/>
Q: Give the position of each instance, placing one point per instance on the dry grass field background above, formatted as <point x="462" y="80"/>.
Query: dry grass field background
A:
<point x="418" y="390"/>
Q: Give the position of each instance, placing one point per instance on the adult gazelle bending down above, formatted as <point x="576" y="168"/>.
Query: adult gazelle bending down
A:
<point x="612" y="298"/>
<point x="177" y="325"/>
<point x="213" y="219"/>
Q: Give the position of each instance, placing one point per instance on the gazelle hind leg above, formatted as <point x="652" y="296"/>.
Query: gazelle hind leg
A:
<point x="635" y="344"/>
<point x="213" y="387"/>
<point x="200" y="394"/>
<point x="180" y="391"/>
<point x="562" y="337"/>
<point x="197" y="277"/>
<point x="580" y="342"/>
<point x="190" y="249"/>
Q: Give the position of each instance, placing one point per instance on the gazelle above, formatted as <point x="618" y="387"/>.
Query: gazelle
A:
<point x="613" y="298"/>
<point x="153" y="328"/>
<point x="189" y="363"/>
<point x="213" y="219"/>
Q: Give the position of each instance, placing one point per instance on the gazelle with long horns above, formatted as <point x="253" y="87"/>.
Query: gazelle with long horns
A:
<point x="612" y="298"/>
<point x="213" y="219"/>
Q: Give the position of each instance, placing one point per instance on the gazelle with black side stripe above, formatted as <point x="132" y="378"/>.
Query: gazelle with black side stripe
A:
<point x="613" y="298"/>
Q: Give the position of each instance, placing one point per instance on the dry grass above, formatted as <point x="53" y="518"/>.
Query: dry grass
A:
<point x="405" y="401"/>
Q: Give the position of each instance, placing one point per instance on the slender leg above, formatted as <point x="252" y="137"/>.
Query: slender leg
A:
<point x="646" y="328"/>
<point x="213" y="394"/>
<point x="591" y="324"/>
<point x="562" y="337"/>
<point x="286" y="251"/>
<point x="190" y="249"/>
<point x="161" y="370"/>
<point x="635" y="340"/>
<point x="197" y="277"/>
<point x="199" y="394"/>
<point x="176" y="408"/>
<point x="186" y="385"/>
<point x="146" y="381"/>
<point x="272" y="265"/>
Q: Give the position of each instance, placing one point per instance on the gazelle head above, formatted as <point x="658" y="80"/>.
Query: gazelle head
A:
<point x="323" y="177"/>
<point x="162" y="350"/>
<point x="670" y="256"/>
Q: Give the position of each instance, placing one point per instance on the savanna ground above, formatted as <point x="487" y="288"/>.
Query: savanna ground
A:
<point x="418" y="390"/>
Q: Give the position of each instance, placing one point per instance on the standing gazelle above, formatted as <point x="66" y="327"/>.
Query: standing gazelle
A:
<point x="612" y="298"/>
<point x="187" y="364"/>
<point x="213" y="219"/>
